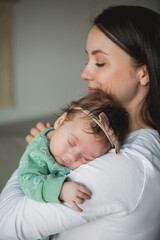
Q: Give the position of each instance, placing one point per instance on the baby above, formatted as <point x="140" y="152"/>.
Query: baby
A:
<point x="88" y="128"/>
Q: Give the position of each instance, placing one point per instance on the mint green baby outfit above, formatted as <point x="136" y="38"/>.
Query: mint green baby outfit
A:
<point x="39" y="175"/>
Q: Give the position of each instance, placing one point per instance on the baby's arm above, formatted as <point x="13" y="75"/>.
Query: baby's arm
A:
<point x="74" y="193"/>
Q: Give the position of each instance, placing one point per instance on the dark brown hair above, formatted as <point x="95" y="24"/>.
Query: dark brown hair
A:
<point x="136" y="30"/>
<point x="97" y="103"/>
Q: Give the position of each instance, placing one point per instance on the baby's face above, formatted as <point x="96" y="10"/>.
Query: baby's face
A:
<point x="72" y="146"/>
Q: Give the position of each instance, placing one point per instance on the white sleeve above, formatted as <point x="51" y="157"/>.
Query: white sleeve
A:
<point x="23" y="218"/>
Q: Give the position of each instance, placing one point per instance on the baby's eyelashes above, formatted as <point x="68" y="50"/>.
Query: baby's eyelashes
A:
<point x="86" y="158"/>
<point x="71" y="142"/>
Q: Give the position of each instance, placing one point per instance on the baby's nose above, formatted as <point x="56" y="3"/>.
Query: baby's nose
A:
<point x="72" y="155"/>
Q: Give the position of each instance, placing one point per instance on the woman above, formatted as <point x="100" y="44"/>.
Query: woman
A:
<point x="123" y="59"/>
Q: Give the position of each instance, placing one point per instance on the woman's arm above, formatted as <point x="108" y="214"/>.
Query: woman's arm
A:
<point x="23" y="218"/>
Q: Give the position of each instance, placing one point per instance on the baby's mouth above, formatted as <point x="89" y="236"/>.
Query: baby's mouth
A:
<point x="61" y="161"/>
<point x="64" y="163"/>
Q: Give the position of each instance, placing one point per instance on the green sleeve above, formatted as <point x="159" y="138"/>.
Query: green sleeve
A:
<point x="52" y="188"/>
<point x="36" y="175"/>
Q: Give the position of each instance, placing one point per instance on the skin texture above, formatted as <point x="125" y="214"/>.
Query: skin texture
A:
<point x="113" y="71"/>
<point x="70" y="144"/>
<point x="109" y="68"/>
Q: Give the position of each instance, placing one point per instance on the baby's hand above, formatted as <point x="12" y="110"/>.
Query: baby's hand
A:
<point x="74" y="193"/>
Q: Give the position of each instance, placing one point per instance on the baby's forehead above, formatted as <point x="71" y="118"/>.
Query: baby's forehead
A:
<point x="88" y="125"/>
<point x="79" y="116"/>
<point x="90" y="142"/>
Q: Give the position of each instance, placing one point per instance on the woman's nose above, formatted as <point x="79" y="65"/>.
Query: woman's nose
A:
<point x="86" y="74"/>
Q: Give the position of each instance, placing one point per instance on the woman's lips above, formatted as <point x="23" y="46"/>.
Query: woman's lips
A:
<point x="91" y="90"/>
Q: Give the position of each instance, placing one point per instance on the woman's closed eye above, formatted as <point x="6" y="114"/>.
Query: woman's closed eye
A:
<point x="100" y="64"/>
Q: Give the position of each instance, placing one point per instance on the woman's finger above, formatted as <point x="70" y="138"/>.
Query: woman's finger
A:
<point x="48" y="125"/>
<point x="40" y="126"/>
<point x="34" y="132"/>
<point x="29" y="138"/>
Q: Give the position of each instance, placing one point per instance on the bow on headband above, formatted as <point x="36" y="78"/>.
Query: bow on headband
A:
<point x="103" y="122"/>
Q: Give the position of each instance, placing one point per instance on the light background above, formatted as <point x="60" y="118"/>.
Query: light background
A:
<point x="49" y="38"/>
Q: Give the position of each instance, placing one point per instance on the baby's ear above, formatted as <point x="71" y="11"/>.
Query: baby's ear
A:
<point x="60" y="120"/>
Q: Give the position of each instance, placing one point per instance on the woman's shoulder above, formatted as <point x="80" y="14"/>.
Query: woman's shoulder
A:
<point x="142" y="137"/>
<point x="139" y="145"/>
<point x="144" y="142"/>
<point x="113" y="176"/>
<point x="111" y="179"/>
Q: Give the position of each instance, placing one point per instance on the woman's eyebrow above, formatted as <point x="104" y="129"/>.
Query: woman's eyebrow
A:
<point x="94" y="52"/>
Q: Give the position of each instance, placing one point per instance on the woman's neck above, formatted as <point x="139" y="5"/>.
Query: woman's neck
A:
<point x="135" y="121"/>
<point x="134" y="109"/>
<point x="134" y="125"/>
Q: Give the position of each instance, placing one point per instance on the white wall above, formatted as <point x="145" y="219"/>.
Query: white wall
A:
<point x="49" y="45"/>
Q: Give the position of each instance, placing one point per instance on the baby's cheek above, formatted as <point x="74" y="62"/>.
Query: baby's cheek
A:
<point x="79" y="163"/>
<point x="51" y="148"/>
<point x="54" y="150"/>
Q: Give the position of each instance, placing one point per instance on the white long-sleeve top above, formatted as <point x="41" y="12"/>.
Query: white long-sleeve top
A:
<point x="125" y="203"/>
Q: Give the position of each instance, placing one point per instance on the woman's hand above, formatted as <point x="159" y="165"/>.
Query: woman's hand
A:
<point x="36" y="130"/>
<point x="74" y="193"/>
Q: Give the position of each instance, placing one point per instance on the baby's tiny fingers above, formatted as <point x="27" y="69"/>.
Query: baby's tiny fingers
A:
<point x="85" y="190"/>
<point x="79" y="200"/>
<point x="83" y="195"/>
<point x="76" y="207"/>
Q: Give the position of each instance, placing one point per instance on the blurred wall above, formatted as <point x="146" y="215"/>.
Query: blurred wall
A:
<point x="49" y="53"/>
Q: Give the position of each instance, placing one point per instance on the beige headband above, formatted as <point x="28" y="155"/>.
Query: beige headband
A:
<point x="103" y="122"/>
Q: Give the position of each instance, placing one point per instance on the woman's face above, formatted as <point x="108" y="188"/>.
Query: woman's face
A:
<point x="109" y="68"/>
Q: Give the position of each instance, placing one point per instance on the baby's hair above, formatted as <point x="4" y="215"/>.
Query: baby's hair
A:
<point x="97" y="103"/>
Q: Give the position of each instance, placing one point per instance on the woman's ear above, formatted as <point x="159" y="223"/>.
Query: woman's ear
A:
<point x="143" y="75"/>
<point x="60" y="120"/>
